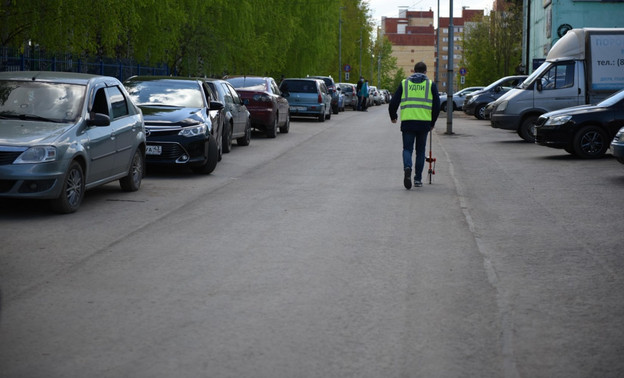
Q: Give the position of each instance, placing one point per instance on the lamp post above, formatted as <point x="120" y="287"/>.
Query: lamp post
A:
<point x="449" y="78"/>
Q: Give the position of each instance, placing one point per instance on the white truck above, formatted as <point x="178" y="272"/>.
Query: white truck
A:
<point x="585" y="66"/>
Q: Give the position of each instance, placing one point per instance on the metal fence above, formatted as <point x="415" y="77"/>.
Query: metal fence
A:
<point x="12" y="60"/>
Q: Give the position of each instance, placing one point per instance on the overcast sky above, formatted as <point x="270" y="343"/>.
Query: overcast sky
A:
<point x="390" y="8"/>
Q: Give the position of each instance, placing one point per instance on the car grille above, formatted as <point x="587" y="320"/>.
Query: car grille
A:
<point x="8" y="157"/>
<point x="6" y="185"/>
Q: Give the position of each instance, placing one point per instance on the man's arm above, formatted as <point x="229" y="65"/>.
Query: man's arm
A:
<point x="395" y="102"/>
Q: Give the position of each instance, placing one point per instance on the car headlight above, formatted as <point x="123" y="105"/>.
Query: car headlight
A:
<point x="557" y="121"/>
<point x="619" y="136"/>
<point x="192" y="131"/>
<point x="470" y="101"/>
<point x="39" y="154"/>
<point x="501" y="106"/>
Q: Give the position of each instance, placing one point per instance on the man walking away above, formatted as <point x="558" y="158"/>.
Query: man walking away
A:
<point x="358" y="89"/>
<point x="419" y="100"/>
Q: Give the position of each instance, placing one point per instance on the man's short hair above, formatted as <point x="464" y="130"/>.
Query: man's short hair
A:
<point x="420" y="67"/>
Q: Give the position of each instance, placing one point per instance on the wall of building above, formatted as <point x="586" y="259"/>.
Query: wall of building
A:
<point x="546" y="19"/>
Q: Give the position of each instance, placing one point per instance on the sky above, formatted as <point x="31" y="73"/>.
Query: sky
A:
<point x="390" y="8"/>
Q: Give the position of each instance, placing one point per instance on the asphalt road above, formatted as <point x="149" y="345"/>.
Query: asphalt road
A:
<point x="304" y="256"/>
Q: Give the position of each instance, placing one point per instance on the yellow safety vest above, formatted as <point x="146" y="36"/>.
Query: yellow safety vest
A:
<point x="416" y="101"/>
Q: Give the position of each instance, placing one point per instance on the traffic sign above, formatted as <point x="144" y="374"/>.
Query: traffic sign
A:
<point x="347" y="68"/>
<point x="462" y="71"/>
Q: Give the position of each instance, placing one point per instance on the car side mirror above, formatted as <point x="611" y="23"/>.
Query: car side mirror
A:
<point x="285" y="94"/>
<point x="216" y="105"/>
<point x="98" y="119"/>
<point x="539" y="85"/>
<point x="497" y="89"/>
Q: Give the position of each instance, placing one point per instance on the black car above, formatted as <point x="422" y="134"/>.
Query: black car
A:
<point x="331" y="88"/>
<point x="236" y="117"/>
<point x="181" y="121"/>
<point x="477" y="101"/>
<point x="585" y="131"/>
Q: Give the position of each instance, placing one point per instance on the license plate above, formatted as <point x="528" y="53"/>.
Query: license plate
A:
<point x="298" y="108"/>
<point x="153" y="150"/>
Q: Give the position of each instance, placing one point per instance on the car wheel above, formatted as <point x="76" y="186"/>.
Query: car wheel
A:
<point x="443" y="107"/>
<point x="286" y="128"/>
<point x="227" y="138"/>
<point x="132" y="182"/>
<point x="212" y="156"/>
<point x="335" y="109"/>
<point x="72" y="191"/>
<point x="271" y="132"/>
<point x="246" y="139"/>
<point x="480" y="111"/>
<point x="322" y="117"/>
<point x="591" y="142"/>
<point x="527" y="129"/>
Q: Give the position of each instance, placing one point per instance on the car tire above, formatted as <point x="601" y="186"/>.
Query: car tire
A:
<point x="335" y="109"/>
<point x="72" y="191"/>
<point x="132" y="181"/>
<point x="271" y="131"/>
<point x="526" y="130"/>
<point x="246" y="139"/>
<point x="591" y="142"/>
<point x="443" y="106"/>
<point x="212" y="156"/>
<point x="480" y="111"/>
<point x="227" y="139"/>
<point x="286" y="128"/>
<point x="322" y="117"/>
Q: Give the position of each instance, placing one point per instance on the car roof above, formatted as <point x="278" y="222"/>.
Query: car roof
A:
<point x="53" y="76"/>
<point x="163" y="78"/>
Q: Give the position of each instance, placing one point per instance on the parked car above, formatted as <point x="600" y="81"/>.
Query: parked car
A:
<point x="375" y="95"/>
<point x="585" y="130"/>
<point x="181" y="129"/>
<point x="350" y="95"/>
<point x="236" y="117"/>
<point x="476" y="102"/>
<point x="332" y="90"/>
<point x="64" y="133"/>
<point x="307" y="97"/>
<point x="457" y="98"/>
<point x="617" y="145"/>
<point x="264" y="100"/>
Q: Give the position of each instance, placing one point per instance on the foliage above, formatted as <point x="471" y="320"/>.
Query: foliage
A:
<point x="492" y="48"/>
<point x="202" y="37"/>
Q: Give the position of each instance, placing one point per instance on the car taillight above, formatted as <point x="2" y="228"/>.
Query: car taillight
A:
<point x="320" y="98"/>
<point x="262" y="98"/>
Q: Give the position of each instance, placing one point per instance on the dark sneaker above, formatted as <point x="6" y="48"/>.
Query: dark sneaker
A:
<point x="407" y="180"/>
<point x="417" y="183"/>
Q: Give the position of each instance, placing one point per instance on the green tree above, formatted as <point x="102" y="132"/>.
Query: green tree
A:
<point x="493" y="46"/>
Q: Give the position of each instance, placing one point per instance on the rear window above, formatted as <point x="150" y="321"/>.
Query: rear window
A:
<point x="300" y="86"/>
<point x="249" y="83"/>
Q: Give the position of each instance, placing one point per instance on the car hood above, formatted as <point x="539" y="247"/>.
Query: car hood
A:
<point x="29" y="133"/>
<point x="575" y="110"/>
<point x="158" y="115"/>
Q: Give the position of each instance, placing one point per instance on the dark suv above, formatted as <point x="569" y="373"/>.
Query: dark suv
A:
<point x="331" y="88"/>
<point x="181" y="123"/>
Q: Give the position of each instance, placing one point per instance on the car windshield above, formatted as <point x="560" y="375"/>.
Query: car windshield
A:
<point x="39" y="101"/>
<point x="299" y="86"/>
<point x="178" y="93"/>
<point x="248" y="83"/>
<point x="613" y="99"/>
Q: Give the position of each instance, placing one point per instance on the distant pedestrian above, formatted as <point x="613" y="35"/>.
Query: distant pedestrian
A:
<point x="364" y="93"/>
<point x="358" y="89"/>
<point x="420" y="106"/>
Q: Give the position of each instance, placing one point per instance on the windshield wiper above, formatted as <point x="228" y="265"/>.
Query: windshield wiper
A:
<point x="7" y="115"/>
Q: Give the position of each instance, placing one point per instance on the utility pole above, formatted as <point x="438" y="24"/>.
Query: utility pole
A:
<point x="340" y="44"/>
<point x="360" y="52"/>
<point x="450" y="77"/>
